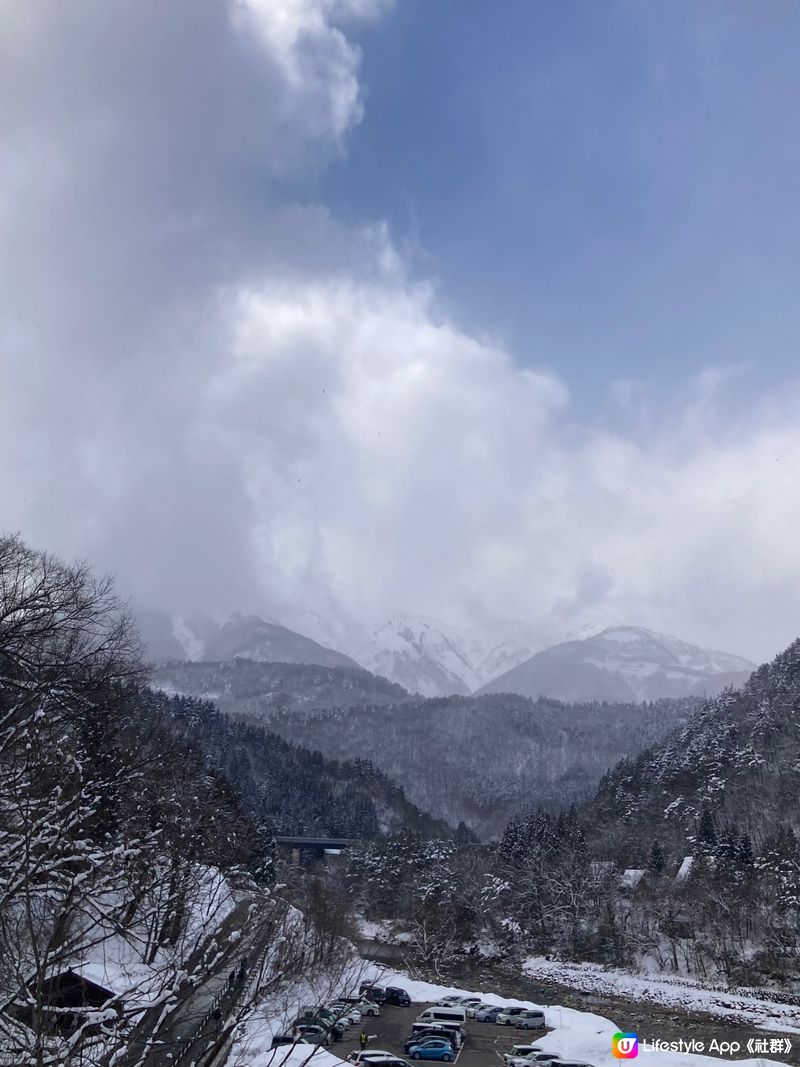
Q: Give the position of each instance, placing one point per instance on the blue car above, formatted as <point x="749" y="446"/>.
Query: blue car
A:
<point x="433" y="1048"/>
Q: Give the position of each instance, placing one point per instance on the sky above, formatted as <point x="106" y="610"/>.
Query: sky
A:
<point x="352" y="307"/>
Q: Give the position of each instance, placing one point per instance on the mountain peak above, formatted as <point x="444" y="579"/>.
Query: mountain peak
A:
<point x="241" y="636"/>
<point x="623" y="663"/>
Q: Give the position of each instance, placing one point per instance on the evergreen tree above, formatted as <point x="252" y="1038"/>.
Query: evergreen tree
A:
<point x="744" y="852"/>
<point x="706" y="839"/>
<point x="656" y="861"/>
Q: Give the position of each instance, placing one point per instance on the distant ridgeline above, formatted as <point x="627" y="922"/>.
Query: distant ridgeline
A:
<point x="255" y="689"/>
<point x="481" y="759"/>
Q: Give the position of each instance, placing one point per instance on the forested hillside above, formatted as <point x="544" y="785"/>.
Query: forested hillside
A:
<point x="288" y="789"/>
<point x="687" y="857"/>
<point x="134" y="823"/>
<point x="116" y="836"/>
<point x="737" y="761"/>
<point x="480" y="759"/>
<point x="255" y="689"/>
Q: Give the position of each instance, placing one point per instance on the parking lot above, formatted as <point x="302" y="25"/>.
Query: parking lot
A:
<point x="483" y="1047"/>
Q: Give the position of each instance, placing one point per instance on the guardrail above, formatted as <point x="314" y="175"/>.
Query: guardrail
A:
<point x="217" y="1017"/>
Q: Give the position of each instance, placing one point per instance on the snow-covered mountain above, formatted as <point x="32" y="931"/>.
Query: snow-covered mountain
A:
<point x="622" y="663"/>
<point x="240" y="637"/>
<point x="432" y="657"/>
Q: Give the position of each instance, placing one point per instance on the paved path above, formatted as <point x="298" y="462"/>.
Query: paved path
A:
<point x="183" y="1035"/>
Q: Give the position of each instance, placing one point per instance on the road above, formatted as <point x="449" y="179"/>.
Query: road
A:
<point x="183" y="1036"/>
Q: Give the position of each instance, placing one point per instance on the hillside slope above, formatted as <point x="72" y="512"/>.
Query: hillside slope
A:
<point x="239" y="637"/>
<point x="738" y="759"/>
<point x="285" y="788"/>
<point x="623" y="663"/>
<point x="480" y="759"/>
<point x="256" y="689"/>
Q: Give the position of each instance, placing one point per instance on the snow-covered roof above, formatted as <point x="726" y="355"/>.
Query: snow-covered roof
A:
<point x="684" y="869"/>
<point x="631" y="877"/>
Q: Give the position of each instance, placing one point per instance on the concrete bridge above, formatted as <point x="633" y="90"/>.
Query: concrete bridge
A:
<point x="317" y="846"/>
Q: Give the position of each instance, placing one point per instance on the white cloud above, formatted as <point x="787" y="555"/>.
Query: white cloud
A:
<point x="233" y="400"/>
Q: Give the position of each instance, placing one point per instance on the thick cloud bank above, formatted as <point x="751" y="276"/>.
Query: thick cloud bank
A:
<point x="219" y="391"/>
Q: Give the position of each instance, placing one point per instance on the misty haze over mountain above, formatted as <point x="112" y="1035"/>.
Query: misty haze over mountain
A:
<point x="431" y="658"/>
<point x="250" y="381"/>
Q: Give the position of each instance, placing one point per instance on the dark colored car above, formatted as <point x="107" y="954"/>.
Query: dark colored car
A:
<point x="335" y="1030"/>
<point x="453" y="1034"/>
<point x="287" y="1039"/>
<point x="375" y="993"/>
<point x="314" y="1034"/>
<point x="395" y="995"/>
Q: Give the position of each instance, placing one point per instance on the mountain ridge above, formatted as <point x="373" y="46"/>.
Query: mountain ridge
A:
<point x="623" y="663"/>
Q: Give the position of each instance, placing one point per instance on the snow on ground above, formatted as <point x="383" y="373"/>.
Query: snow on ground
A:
<point x="253" y="1038"/>
<point x="579" y="1035"/>
<point x="742" y="1004"/>
<point x="385" y="930"/>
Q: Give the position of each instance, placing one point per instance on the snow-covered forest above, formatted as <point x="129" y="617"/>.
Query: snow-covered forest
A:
<point x="686" y="859"/>
<point x="134" y="879"/>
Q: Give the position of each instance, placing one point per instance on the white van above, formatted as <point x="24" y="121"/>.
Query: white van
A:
<point x="443" y="1013"/>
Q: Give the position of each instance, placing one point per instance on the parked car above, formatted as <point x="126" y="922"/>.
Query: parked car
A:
<point x="314" y="1034"/>
<point x="346" y="1013"/>
<point x="453" y="1034"/>
<point x="519" y="1051"/>
<point x="422" y="1039"/>
<point x="369" y="1007"/>
<point x="376" y="1059"/>
<point x="325" y="1022"/>
<point x="507" y="1016"/>
<point x="441" y="1029"/>
<point x="531" y="1020"/>
<point x="443" y="1013"/>
<point x="433" y="1048"/>
<point x="533" y="1059"/>
<point x="473" y="1009"/>
<point x="288" y="1039"/>
<point x="488" y="1014"/>
<point x="375" y="993"/>
<point x="471" y="1002"/>
<point x="574" y="1063"/>
<point x="396" y="995"/>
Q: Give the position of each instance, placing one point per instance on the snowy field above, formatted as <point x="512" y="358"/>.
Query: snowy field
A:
<point x="576" y="1035"/>
<point x="737" y="1005"/>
